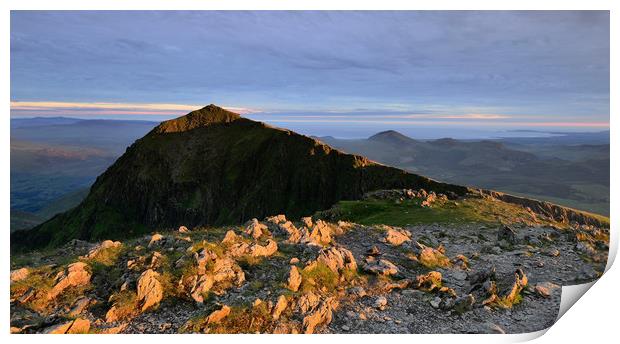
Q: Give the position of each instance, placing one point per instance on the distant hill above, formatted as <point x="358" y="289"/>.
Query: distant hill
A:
<point x="574" y="175"/>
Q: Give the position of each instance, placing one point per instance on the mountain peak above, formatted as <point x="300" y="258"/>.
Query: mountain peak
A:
<point x="208" y="115"/>
<point x="391" y="136"/>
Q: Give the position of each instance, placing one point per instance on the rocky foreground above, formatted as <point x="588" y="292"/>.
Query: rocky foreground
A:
<point x="311" y="276"/>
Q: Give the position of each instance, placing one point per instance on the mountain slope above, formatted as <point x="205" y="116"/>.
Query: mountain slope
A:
<point x="214" y="167"/>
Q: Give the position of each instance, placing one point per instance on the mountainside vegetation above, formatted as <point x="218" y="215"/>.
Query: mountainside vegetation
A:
<point x="214" y="167"/>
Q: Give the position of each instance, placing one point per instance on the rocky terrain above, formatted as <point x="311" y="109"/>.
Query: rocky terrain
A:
<point x="494" y="268"/>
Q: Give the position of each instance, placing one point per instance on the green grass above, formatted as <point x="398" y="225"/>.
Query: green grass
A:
<point x="319" y="277"/>
<point x="409" y="212"/>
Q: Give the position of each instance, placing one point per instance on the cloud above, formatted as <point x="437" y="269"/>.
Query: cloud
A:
<point x="548" y="62"/>
<point x="109" y="108"/>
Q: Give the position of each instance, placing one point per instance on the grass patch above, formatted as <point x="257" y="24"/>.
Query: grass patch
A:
<point x="124" y="305"/>
<point x="409" y="212"/>
<point x="107" y="256"/>
<point x="318" y="277"/>
<point x="240" y="320"/>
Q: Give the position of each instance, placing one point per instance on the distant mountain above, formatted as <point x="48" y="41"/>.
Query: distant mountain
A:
<point x="41" y="121"/>
<point x="392" y="137"/>
<point x="214" y="167"/>
<point x="571" y="174"/>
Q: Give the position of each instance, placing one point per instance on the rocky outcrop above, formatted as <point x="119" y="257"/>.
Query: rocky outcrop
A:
<point x="321" y="316"/>
<point x="75" y="275"/>
<point x="19" y="274"/>
<point x="150" y="291"/>
<point x="155" y="239"/>
<point x="319" y="234"/>
<point x="294" y="279"/>
<point x="396" y="236"/>
<point x="253" y="250"/>
<point x="550" y="210"/>
<point x="104" y="245"/>
<point x="218" y="315"/>
<point x="502" y="292"/>
<point x="279" y="307"/>
<point x="507" y="235"/>
<point x="211" y="271"/>
<point x="77" y="326"/>
<point x="337" y="258"/>
<point x="380" y="267"/>
<point x="255" y="229"/>
<point x="431" y="257"/>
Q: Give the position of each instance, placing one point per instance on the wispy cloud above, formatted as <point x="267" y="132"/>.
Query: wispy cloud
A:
<point x="85" y="108"/>
<point x="522" y="62"/>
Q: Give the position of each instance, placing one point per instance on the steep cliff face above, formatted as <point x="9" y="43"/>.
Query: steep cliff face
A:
<point x="214" y="167"/>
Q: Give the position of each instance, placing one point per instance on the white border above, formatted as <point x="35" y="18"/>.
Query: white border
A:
<point x="593" y="319"/>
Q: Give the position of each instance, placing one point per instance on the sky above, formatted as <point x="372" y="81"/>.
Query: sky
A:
<point x="319" y="72"/>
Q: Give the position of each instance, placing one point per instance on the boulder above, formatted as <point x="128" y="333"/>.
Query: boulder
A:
<point x="155" y="239"/>
<point x="269" y="249"/>
<point x="510" y="288"/>
<point x="150" y="290"/>
<point x="75" y="275"/>
<point x="545" y="289"/>
<point x="502" y="292"/>
<point x="230" y="237"/>
<point x="380" y="267"/>
<point x="104" y="245"/>
<point x="79" y="306"/>
<point x="460" y="261"/>
<point x="288" y="228"/>
<point x="294" y="279"/>
<point x="183" y="229"/>
<point x="307" y="221"/>
<point x="428" y="282"/>
<point x="380" y="303"/>
<point x="19" y="274"/>
<point x="397" y="237"/>
<point x="226" y="269"/>
<point x="319" y="234"/>
<point x="201" y="286"/>
<point x="321" y="316"/>
<point x="507" y="234"/>
<point x="156" y="260"/>
<point x="337" y="258"/>
<point x="307" y="302"/>
<point x="276" y="219"/>
<point x="204" y="257"/>
<point x="431" y="257"/>
<point x="217" y="316"/>
<point x="77" y="326"/>
<point x="464" y="304"/>
<point x="255" y="229"/>
<point x="373" y="251"/>
<point x="279" y="307"/>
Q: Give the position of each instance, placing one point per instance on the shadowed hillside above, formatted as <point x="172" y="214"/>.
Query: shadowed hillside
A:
<point x="214" y="167"/>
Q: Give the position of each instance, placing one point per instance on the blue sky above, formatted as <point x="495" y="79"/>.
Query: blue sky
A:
<point x="484" y="69"/>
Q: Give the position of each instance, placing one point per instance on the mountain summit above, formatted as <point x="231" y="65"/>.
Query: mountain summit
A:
<point x="208" y="115"/>
<point x="213" y="167"/>
<point x="392" y="137"/>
